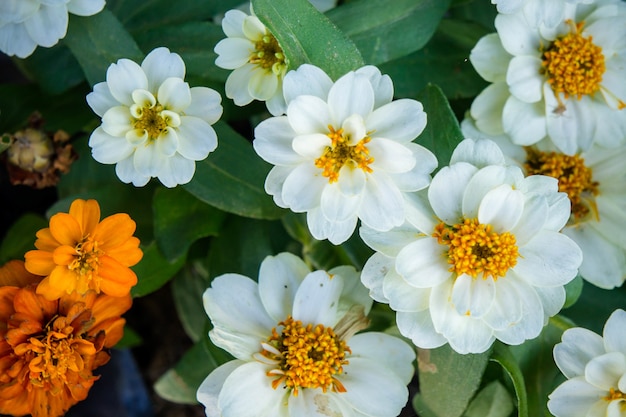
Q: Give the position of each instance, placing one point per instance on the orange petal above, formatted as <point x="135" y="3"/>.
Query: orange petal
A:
<point x="113" y="329"/>
<point x="63" y="279"/>
<point x="27" y="302"/>
<point x="65" y="229"/>
<point x="64" y="255"/>
<point x="39" y="262"/>
<point x="14" y="273"/>
<point x="114" y="272"/>
<point x="86" y="213"/>
<point x="49" y="292"/>
<point x="6" y="302"/>
<point x="128" y="254"/>
<point x="106" y="307"/>
<point x="45" y="240"/>
<point x="114" y="230"/>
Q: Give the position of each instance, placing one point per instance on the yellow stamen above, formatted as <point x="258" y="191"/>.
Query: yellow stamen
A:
<point x="85" y="265"/>
<point x="573" y="64"/>
<point x="151" y="121"/>
<point x="615" y="395"/>
<point x="475" y="249"/>
<point x="340" y="153"/>
<point x="269" y="55"/>
<point x="308" y="356"/>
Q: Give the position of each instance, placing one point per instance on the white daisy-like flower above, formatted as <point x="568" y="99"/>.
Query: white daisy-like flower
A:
<point x="321" y="5"/>
<point x="564" y="83"/>
<point x="153" y="123"/>
<point x="480" y="257"/>
<point x="538" y="12"/>
<point x="595" y="367"/>
<point x="344" y="151"/>
<point x="24" y="24"/>
<point x="293" y="337"/>
<point x="595" y="182"/>
<point x="257" y="60"/>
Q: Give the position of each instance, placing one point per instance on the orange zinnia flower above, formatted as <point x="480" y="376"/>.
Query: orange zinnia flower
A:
<point x="49" y="349"/>
<point x="78" y="252"/>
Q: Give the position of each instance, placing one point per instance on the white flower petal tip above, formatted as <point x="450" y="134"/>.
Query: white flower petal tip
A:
<point x="153" y="124"/>
<point x="490" y="266"/>
<point x="272" y="329"/>
<point x="344" y="151"/>
<point x="596" y="370"/>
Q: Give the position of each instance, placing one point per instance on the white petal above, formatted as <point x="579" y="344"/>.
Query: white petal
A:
<point x="502" y="207"/>
<point x="303" y="188"/>
<point x="125" y="170"/>
<point x="100" y="99"/>
<point x="506" y="309"/>
<point x="423" y="263"/>
<point x="232" y="24"/>
<point x="382" y="84"/>
<point x="85" y="7"/>
<point x="532" y="319"/>
<point x="108" y="149"/>
<point x="14" y="40"/>
<point x="383" y="206"/>
<point x="276" y="104"/>
<point x="205" y="104"/>
<point x="274" y="184"/>
<point x="336" y="206"/>
<point x="569" y="127"/>
<point x="478" y="152"/>
<point x="391" y="352"/>
<point x="351" y="182"/>
<point x="263" y="84"/>
<point x="233" y="52"/>
<point x="574" y="398"/>
<point x="117" y="121"/>
<point x="487" y="179"/>
<point x="208" y="392"/>
<point x="311" y="146"/>
<point x="306" y="80"/>
<point x="489" y="58"/>
<point x="614" y="338"/>
<point x="446" y="191"/>
<point x="532" y="220"/>
<point x="402" y="296"/>
<point x="237" y="85"/>
<point x="605" y="371"/>
<point x="273" y="139"/>
<point x="148" y="160"/>
<point x="390" y="156"/>
<point x="517" y="37"/>
<point x="317" y="299"/>
<point x="525" y="123"/>
<point x="196" y="138"/>
<point x="354" y="292"/>
<point x="390" y="242"/>
<point x="123" y="78"/>
<point x="253" y="28"/>
<point x="373" y="274"/>
<point x="161" y="64"/>
<point x="316" y="403"/>
<point x="577" y="348"/>
<point x="174" y="95"/>
<point x="552" y="299"/>
<point x="487" y="107"/>
<point x="176" y="170"/>
<point x="401" y="120"/>
<point x="524" y="78"/>
<point x="473" y="296"/>
<point x="47" y="25"/>
<point x="335" y="232"/>
<point x="280" y="277"/>
<point x="351" y="94"/>
<point x="309" y="114"/>
<point x="419" y="328"/>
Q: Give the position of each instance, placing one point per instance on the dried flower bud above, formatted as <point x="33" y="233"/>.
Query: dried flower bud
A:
<point x="31" y="150"/>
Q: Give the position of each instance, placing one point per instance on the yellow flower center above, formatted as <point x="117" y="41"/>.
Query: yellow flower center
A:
<point x="341" y="153"/>
<point x="575" y="178"/>
<point x="308" y="356"/>
<point x="615" y="395"/>
<point x="269" y="55"/>
<point x="573" y="64"/>
<point x="151" y="121"/>
<point x="85" y="265"/>
<point x="474" y="249"/>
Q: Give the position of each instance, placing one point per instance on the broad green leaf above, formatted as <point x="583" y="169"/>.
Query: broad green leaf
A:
<point x="442" y="132"/>
<point x="54" y="69"/>
<point x="180" y="219"/>
<point x="482" y="12"/>
<point x="187" y="289"/>
<point x="20" y="237"/>
<point x="594" y="306"/>
<point x="180" y="383"/>
<point x="307" y="36"/>
<point x="232" y="178"/>
<point x="492" y="401"/>
<point x="153" y="271"/>
<point x="99" y="41"/>
<point x="442" y="368"/>
<point x="384" y="30"/>
<point x="503" y="356"/>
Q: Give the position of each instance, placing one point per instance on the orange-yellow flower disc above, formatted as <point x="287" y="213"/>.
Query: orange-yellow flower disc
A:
<point x="78" y="252"/>
<point x="49" y="348"/>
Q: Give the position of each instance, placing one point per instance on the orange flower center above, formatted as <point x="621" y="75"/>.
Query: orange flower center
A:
<point x="269" y="55"/>
<point x="573" y="64"/>
<point x="341" y="153"/>
<point x="575" y="178"/>
<point x="474" y="249"/>
<point x="308" y="356"/>
<point x="86" y="263"/>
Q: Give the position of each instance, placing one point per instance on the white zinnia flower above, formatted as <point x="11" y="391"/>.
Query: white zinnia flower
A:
<point x="480" y="257"/>
<point x="344" y="151"/>
<point x="596" y="370"/>
<point x="24" y="24"/>
<point x="292" y="335"/>
<point x="565" y="83"/>
<point x="153" y="124"/>
<point x="595" y="182"/>
<point x="321" y="5"/>
<point x="538" y="12"/>
<point x="257" y="59"/>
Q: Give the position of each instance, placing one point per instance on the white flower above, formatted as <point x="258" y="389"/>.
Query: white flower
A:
<point x="292" y="335"/>
<point x="153" y="124"/>
<point x="595" y="182"/>
<point x="321" y="5"/>
<point x="24" y="24"/>
<point x="480" y="257"/>
<point x="344" y="151"/>
<point x="257" y="60"/>
<point x="596" y="370"/>
<point x="564" y="83"/>
<point x="538" y="12"/>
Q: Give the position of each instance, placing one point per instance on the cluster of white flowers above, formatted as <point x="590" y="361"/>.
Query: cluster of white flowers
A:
<point x="24" y="24"/>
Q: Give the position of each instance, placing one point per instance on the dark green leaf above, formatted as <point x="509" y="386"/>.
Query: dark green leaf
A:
<point x="503" y="356"/>
<point x="187" y="289"/>
<point x="384" y="30"/>
<point x="20" y="237"/>
<point x="492" y="401"/>
<point x="130" y="339"/>
<point x="232" y="178"/>
<point x="55" y="69"/>
<point x="595" y="305"/>
<point x="180" y="219"/>
<point x="573" y="290"/>
<point x="99" y="41"/>
<point x="482" y="12"/>
<point x="307" y="36"/>
<point x="443" y="368"/>
<point x="442" y="132"/>
<point x="153" y="271"/>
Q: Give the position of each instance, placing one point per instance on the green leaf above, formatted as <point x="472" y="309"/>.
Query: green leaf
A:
<point x="180" y="219"/>
<point x="55" y="69"/>
<point x="492" y="401"/>
<point x="5" y="142"/>
<point x="130" y="339"/>
<point x="573" y="290"/>
<point x="232" y="178"/>
<point x="153" y="271"/>
<point x="442" y="132"/>
<point x="20" y="237"/>
<point x="180" y="383"/>
<point x="503" y="356"/>
<point x="442" y="368"/>
<point x="307" y="36"/>
<point x="594" y="306"/>
<point x="187" y="289"/>
<point x="384" y="30"/>
<point x="98" y="41"/>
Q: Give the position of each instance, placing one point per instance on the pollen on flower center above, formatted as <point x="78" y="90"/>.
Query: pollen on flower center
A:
<point x="615" y="395"/>
<point x="575" y="178"/>
<point x="474" y="249"/>
<point x="85" y="264"/>
<point x="341" y="153"/>
<point x="269" y="55"/>
<point x="151" y="121"/>
<point x="308" y="356"/>
<point x="573" y="64"/>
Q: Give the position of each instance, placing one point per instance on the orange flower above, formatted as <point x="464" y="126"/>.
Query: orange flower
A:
<point x="78" y="252"/>
<point x="49" y="349"/>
